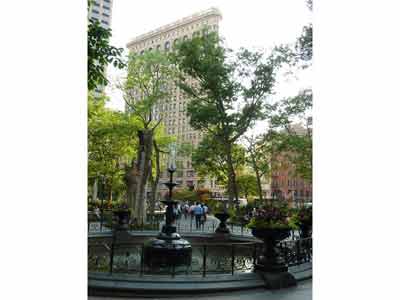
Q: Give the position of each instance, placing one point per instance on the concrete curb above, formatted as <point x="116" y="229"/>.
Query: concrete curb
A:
<point x="127" y="285"/>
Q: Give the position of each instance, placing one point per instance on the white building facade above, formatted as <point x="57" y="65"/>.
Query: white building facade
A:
<point x="173" y="112"/>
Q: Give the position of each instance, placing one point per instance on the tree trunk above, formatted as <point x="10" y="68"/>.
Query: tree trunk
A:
<point x="155" y="180"/>
<point x="110" y="195"/>
<point x="232" y="187"/>
<point x="131" y="173"/>
<point x="257" y="171"/>
<point x="94" y="195"/>
<point x="144" y="168"/>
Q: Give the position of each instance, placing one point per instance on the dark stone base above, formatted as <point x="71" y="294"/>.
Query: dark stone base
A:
<point x="222" y="230"/>
<point x="167" y="250"/>
<point x="122" y="235"/>
<point x="271" y="268"/>
<point x="280" y="280"/>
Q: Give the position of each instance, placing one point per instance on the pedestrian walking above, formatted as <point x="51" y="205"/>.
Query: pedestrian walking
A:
<point x="198" y="213"/>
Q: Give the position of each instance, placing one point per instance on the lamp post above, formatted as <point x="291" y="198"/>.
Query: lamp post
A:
<point x="102" y="201"/>
<point x="168" y="228"/>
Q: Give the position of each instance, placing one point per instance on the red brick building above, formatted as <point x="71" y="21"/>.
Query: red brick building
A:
<point x="286" y="185"/>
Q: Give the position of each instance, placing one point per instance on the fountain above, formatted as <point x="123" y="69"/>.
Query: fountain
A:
<point x="168" y="249"/>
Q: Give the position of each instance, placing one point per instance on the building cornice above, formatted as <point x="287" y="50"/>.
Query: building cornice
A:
<point x="213" y="11"/>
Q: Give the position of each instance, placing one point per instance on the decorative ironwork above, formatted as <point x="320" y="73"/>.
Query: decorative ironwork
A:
<point x="222" y="258"/>
<point x="296" y="252"/>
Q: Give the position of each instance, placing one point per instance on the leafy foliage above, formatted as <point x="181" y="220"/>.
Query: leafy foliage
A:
<point x="208" y="159"/>
<point x="147" y="84"/>
<point x="247" y="184"/>
<point x="273" y="217"/>
<point x="291" y="133"/>
<point x="228" y="94"/>
<point x="110" y="142"/>
<point x="100" y="54"/>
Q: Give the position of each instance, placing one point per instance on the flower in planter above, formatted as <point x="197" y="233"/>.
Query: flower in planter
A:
<point x="273" y="217"/>
<point x="304" y="215"/>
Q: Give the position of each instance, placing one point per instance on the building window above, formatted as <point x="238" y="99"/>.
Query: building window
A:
<point x="150" y="49"/>
<point x="176" y="41"/>
<point x="106" y="15"/>
<point x="185" y="37"/>
<point x="96" y="4"/>
<point x="158" y="47"/>
<point x="104" y="22"/>
<point x="167" y="45"/>
<point x="142" y="52"/>
<point x="95" y="11"/>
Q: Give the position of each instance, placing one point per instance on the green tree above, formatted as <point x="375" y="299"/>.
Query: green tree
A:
<point x="110" y="143"/>
<point x="247" y="185"/>
<point x="145" y="86"/>
<point x="229" y="94"/>
<point x="291" y="132"/>
<point x="209" y="160"/>
<point x="100" y="53"/>
<point x="290" y="118"/>
<point x="259" y="161"/>
<point x="161" y="144"/>
<point x="185" y="195"/>
<point x="299" y="53"/>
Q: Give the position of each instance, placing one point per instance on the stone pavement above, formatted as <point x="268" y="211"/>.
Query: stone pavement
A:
<point x="189" y="225"/>
<point x="303" y="291"/>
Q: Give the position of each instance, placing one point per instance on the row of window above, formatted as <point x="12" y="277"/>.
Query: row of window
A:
<point x="97" y="12"/>
<point x="102" y="21"/>
<point x="295" y="183"/>
<point x="104" y="6"/>
<point x="179" y="31"/>
<point x="167" y="44"/>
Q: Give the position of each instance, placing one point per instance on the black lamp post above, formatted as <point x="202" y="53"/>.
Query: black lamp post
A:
<point x="168" y="228"/>
<point x="102" y="200"/>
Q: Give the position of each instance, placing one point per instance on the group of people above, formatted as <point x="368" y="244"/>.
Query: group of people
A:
<point x="197" y="211"/>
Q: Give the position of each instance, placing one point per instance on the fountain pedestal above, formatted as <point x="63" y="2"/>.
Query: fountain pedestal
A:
<point x="168" y="249"/>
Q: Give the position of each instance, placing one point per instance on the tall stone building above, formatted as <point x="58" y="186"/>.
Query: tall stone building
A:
<point x="173" y="112"/>
<point x="101" y="10"/>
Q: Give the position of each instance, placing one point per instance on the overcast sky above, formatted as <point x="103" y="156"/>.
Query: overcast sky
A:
<point x="253" y="24"/>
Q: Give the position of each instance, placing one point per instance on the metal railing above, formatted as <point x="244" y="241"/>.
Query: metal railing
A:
<point x="108" y="256"/>
<point x="128" y="258"/>
<point x="296" y="252"/>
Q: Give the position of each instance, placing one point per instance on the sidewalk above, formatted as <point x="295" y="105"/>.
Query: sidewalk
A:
<point x="303" y="291"/>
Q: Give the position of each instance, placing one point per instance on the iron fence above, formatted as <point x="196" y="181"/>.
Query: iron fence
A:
<point x="107" y="256"/>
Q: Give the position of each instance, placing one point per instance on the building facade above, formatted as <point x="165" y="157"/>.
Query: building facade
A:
<point x="101" y="10"/>
<point x="176" y="122"/>
<point x="284" y="182"/>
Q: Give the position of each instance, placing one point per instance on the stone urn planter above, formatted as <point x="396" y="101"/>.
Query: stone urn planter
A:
<point x="271" y="260"/>
<point x="222" y="217"/>
<point x="121" y="219"/>
<point x="271" y="264"/>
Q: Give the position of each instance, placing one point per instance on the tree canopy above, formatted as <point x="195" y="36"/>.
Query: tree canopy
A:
<point x="100" y="54"/>
<point x="228" y="93"/>
<point x="110" y="142"/>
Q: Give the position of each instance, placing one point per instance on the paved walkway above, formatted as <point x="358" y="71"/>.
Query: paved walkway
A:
<point x="188" y="225"/>
<point x="303" y="291"/>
